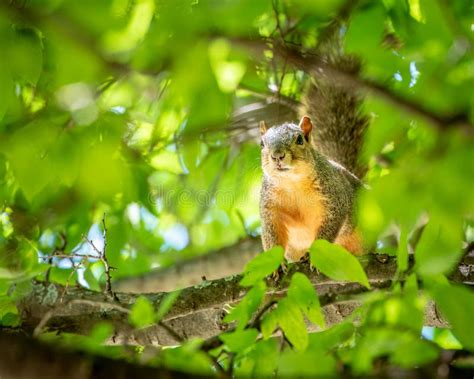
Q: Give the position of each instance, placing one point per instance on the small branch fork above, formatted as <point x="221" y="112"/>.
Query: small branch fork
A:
<point x="102" y="256"/>
<point x="60" y="253"/>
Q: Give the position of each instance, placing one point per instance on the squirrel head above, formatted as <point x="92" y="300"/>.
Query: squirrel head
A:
<point x="286" y="148"/>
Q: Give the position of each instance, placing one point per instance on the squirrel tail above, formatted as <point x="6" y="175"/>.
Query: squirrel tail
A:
<point x="335" y="108"/>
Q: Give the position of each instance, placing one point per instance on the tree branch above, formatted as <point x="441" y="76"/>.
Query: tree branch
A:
<point x="312" y="62"/>
<point x="198" y="311"/>
<point x="227" y="261"/>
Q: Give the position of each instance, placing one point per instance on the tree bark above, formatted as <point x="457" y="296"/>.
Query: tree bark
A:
<point x="199" y="310"/>
<point x="227" y="261"/>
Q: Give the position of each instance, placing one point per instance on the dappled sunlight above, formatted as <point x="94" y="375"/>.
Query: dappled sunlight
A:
<point x="150" y="152"/>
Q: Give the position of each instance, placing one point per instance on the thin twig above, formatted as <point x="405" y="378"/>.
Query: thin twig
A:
<point x="285" y="338"/>
<point x="311" y="62"/>
<point x="72" y="255"/>
<point x="230" y="368"/>
<point x="66" y="286"/>
<point x="277" y="19"/>
<point x="102" y="256"/>
<point x="43" y="322"/>
<point x="61" y="249"/>
<point x="108" y="284"/>
<point x="101" y="304"/>
<point x="218" y="367"/>
<point x="256" y="322"/>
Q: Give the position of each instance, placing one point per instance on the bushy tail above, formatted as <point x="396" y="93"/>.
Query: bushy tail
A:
<point x="335" y="108"/>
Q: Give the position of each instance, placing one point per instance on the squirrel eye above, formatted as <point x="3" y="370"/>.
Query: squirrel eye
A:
<point x="299" y="139"/>
<point x="261" y="143"/>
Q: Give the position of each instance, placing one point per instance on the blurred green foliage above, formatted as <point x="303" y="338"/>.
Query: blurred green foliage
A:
<point x="125" y="108"/>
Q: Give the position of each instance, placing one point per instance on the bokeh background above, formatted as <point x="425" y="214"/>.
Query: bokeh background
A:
<point x="147" y="111"/>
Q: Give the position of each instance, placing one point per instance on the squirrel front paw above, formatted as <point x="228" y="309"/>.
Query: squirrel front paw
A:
<point x="306" y="260"/>
<point x="280" y="272"/>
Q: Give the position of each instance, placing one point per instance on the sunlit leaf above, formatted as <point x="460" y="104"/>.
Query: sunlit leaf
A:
<point x="439" y="249"/>
<point x="9" y="315"/>
<point x="247" y="306"/>
<point x="402" y="348"/>
<point x="240" y="339"/>
<point x="142" y="313"/>
<point x="291" y="321"/>
<point x="456" y="303"/>
<point x="337" y="263"/>
<point x="262" y="266"/>
<point x="302" y="293"/>
<point x="310" y="363"/>
<point x="165" y="305"/>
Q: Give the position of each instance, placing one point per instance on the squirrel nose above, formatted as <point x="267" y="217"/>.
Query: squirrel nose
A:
<point x="278" y="156"/>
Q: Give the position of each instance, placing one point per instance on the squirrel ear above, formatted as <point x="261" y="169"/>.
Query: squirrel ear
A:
<point x="263" y="127"/>
<point x="306" y="125"/>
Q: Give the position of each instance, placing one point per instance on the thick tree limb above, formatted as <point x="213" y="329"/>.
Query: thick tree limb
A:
<point x="199" y="310"/>
<point x="228" y="261"/>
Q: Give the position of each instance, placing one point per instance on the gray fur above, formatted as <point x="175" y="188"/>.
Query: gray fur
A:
<point x="337" y="185"/>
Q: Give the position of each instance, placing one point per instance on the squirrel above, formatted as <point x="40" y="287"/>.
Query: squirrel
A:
<point x="309" y="174"/>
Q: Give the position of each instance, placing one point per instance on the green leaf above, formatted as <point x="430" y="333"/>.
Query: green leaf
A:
<point x="17" y="276"/>
<point x="6" y="274"/>
<point x="290" y="319"/>
<point x="8" y="312"/>
<point x="26" y="56"/>
<point x="228" y="74"/>
<point x="262" y="265"/>
<point x="414" y="354"/>
<point x="265" y="359"/>
<point x="142" y="313"/>
<point x="187" y="358"/>
<point x="90" y="278"/>
<point x="337" y="263"/>
<point x="331" y="338"/>
<point x="439" y="248"/>
<point x="359" y="37"/>
<point x="63" y="276"/>
<point x="405" y="349"/>
<point x="315" y="363"/>
<point x="6" y="91"/>
<point x="247" y="306"/>
<point x="27" y="150"/>
<point x="302" y="293"/>
<point x="239" y="340"/>
<point x="166" y="304"/>
<point x="101" y="332"/>
<point x="269" y="324"/>
<point x="365" y="36"/>
<point x="445" y="339"/>
<point x="4" y="287"/>
<point x="457" y="305"/>
<point x="21" y="290"/>
<point x="402" y="251"/>
<point x="292" y="323"/>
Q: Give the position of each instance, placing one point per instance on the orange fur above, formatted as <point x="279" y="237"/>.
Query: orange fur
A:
<point x="351" y="242"/>
<point x="301" y="212"/>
